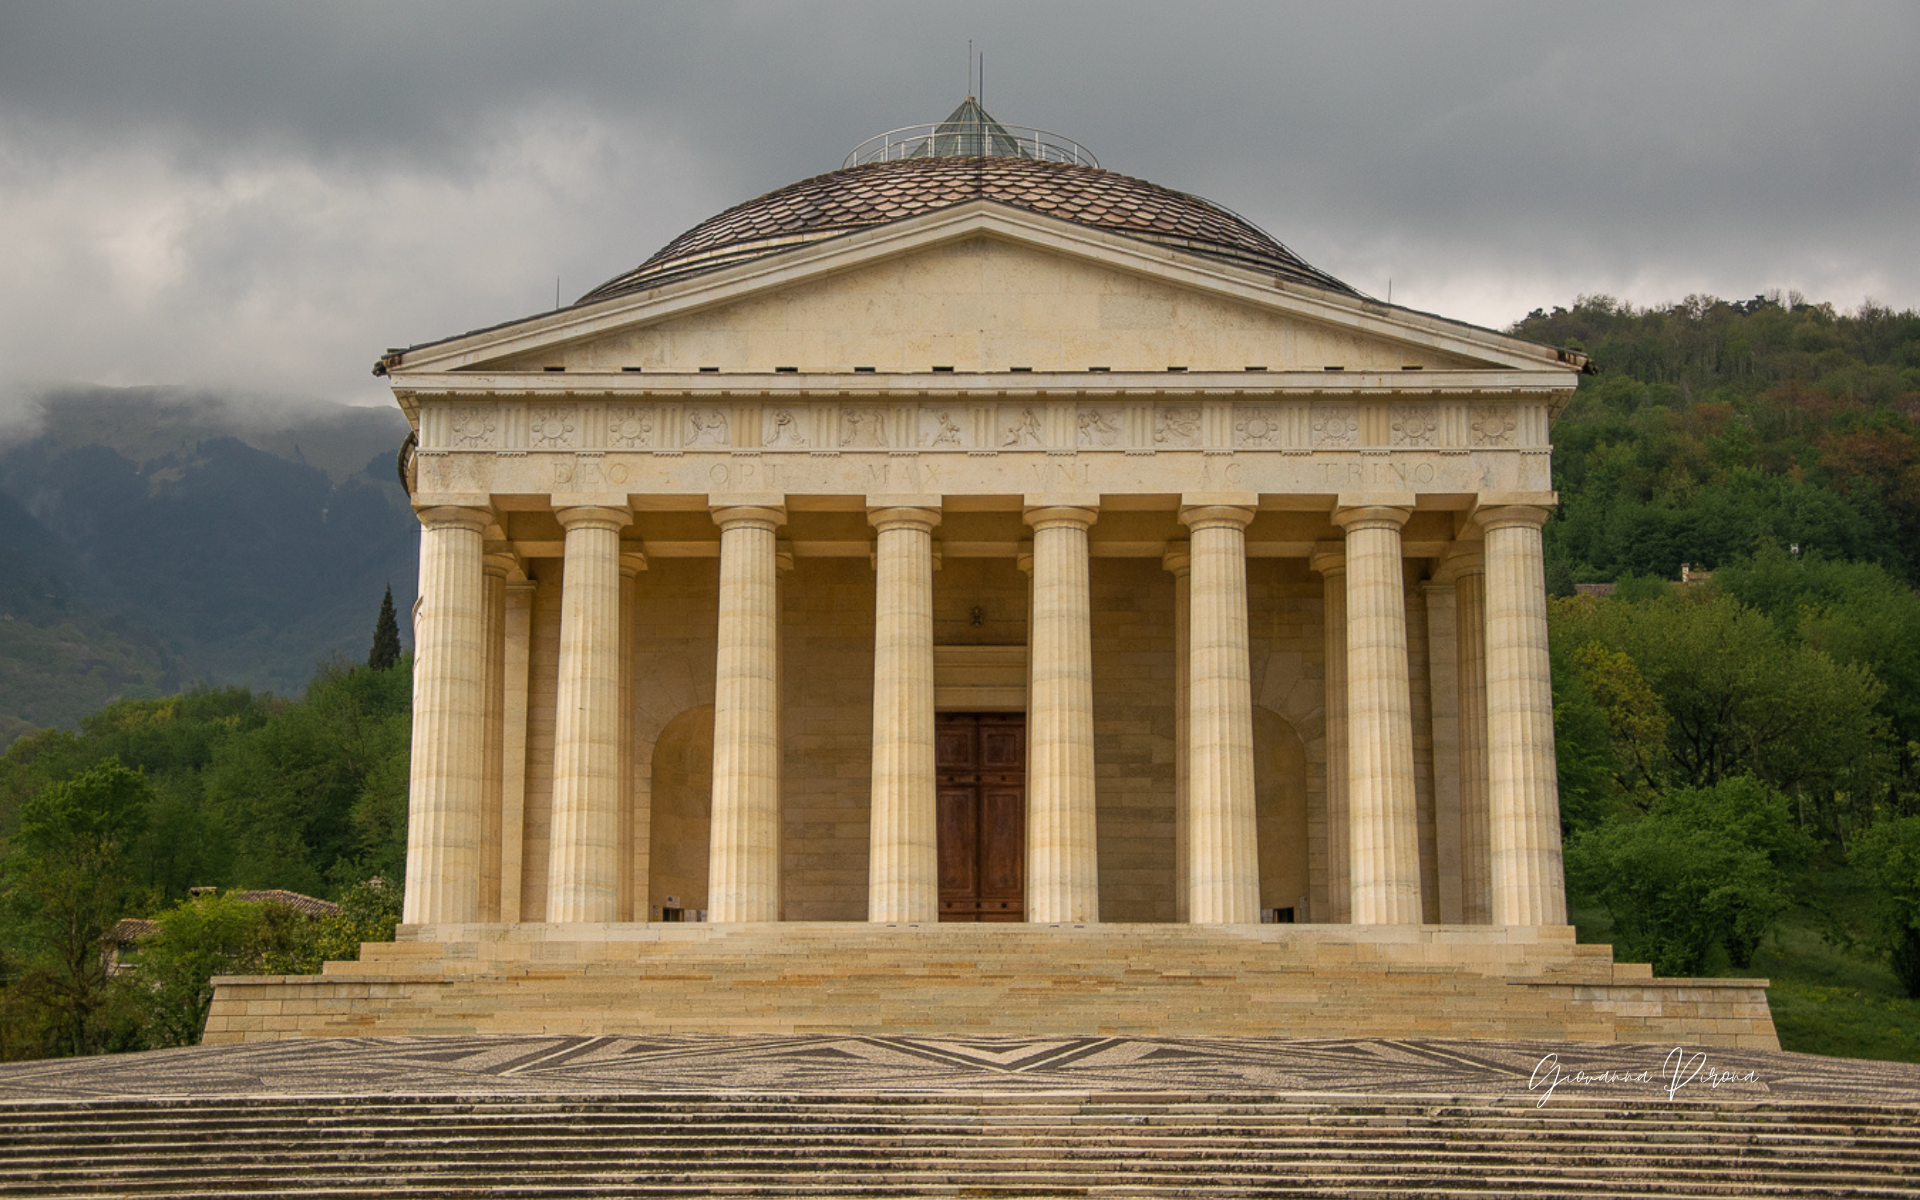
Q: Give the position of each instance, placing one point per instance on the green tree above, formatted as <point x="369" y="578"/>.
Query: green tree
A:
<point x="386" y="636"/>
<point x="1889" y="856"/>
<point x="67" y="884"/>
<point x="1706" y="867"/>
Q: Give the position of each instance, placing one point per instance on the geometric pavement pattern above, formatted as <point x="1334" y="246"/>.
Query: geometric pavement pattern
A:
<point x="827" y="1064"/>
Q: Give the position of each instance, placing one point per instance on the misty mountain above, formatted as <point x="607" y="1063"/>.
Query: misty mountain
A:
<point x="156" y="539"/>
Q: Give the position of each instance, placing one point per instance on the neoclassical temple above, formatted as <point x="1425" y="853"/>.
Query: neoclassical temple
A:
<point x="976" y="590"/>
<point x="976" y="534"/>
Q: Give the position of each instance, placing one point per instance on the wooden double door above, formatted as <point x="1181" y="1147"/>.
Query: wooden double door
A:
<point x="981" y="780"/>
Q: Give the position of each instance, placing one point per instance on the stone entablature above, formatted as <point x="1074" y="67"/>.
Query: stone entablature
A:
<point x="663" y="419"/>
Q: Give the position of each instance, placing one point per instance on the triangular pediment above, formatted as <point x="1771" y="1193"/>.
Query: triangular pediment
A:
<point x="986" y="290"/>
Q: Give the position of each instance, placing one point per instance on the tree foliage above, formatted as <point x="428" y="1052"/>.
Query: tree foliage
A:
<point x="386" y="635"/>
<point x="1705" y="868"/>
<point x="216" y="788"/>
<point x="1719" y="428"/>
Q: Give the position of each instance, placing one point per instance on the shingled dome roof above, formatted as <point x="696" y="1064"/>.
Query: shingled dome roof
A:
<point x="877" y="193"/>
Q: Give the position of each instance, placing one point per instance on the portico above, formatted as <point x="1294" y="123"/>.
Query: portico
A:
<point x="975" y="590"/>
<point x="1181" y="658"/>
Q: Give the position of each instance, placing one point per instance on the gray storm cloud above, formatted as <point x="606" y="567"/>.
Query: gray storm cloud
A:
<point x="264" y="197"/>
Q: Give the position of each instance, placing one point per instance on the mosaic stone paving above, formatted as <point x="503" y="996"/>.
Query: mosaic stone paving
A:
<point x="559" y="1065"/>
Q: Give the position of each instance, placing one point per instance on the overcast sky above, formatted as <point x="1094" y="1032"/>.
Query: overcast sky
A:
<point x="262" y="197"/>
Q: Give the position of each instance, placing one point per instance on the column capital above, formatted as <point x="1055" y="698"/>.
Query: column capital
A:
<point x="1047" y="516"/>
<point x="592" y="516"/>
<point x="633" y="559"/>
<point x="783" y="555"/>
<point x="903" y="516"/>
<point x="1329" y="558"/>
<point x="499" y="563"/>
<point x="764" y="516"/>
<point x="454" y="516"/>
<point x="1371" y="516"/>
<point x="1213" y="516"/>
<point x="1177" y="557"/>
<point x="1023" y="557"/>
<point x="1466" y="558"/>
<point x="1512" y="516"/>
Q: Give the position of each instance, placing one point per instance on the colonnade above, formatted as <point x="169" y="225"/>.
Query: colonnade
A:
<point x="1510" y="837"/>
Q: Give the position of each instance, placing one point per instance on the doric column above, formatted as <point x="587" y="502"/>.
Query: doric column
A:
<point x="1469" y="570"/>
<point x="1443" y="701"/>
<point x="583" y="872"/>
<point x="743" y="875"/>
<point x="1063" y="876"/>
<point x="1523" y="793"/>
<point x="903" y="863"/>
<point x="1330" y="560"/>
<point x="633" y="901"/>
<point x="1178" y="559"/>
<point x="447" y="779"/>
<point x="1223" y="857"/>
<point x="494" y="568"/>
<point x="513" y="743"/>
<point x="1385" y="825"/>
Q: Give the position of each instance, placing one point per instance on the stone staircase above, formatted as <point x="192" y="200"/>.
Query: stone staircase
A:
<point x="825" y="977"/>
<point x="1007" y="1145"/>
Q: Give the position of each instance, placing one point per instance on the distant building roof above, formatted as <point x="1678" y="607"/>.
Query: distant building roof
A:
<point x="130" y="929"/>
<point x="1594" y="589"/>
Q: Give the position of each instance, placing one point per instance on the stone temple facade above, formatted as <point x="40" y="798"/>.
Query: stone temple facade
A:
<point x="974" y="535"/>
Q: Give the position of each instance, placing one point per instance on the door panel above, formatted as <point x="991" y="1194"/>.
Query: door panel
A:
<point x="981" y="780"/>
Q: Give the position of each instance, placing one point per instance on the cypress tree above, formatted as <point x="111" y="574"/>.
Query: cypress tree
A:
<point x="386" y="636"/>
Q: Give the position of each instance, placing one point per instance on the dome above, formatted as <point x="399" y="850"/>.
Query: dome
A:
<point x="876" y="193"/>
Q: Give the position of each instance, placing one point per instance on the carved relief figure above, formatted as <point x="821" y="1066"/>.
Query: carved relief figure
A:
<point x="551" y="425"/>
<point x="472" y="425"/>
<point x="707" y="427"/>
<point x="783" y="428"/>
<point x="1176" y="426"/>
<point x="1022" y="430"/>
<point x="630" y="427"/>
<point x="1492" y="424"/>
<point x="938" y="428"/>
<point x="1257" y="425"/>
<point x="1335" y="425"/>
<point x="1099" y="427"/>
<point x="1413" y="424"/>
<point x="864" y="427"/>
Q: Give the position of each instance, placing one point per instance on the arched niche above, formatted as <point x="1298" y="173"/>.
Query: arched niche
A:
<point x="682" y="811"/>
<point x="1280" y="810"/>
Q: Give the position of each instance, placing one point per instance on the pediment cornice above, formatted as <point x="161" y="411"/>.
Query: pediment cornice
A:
<point x="1357" y="316"/>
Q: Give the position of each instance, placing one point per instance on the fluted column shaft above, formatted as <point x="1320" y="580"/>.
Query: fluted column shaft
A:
<point x="1063" y="877"/>
<point x="632" y="904"/>
<point x="1476" y="856"/>
<point x="513" y="745"/>
<point x="446" y="779"/>
<point x="1178" y="559"/>
<point x="903" y="863"/>
<point x="1331" y="561"/>
<point x="583" y="871"/>
<point x="1384" y="820"/>
<point x="1223" y="857"/>
<point x="743" y="875"/>
<point x="1523" y="791"/>
<point x="494" y="568"/>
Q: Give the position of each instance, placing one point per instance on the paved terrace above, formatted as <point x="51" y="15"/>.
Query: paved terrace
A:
<point x="827" y="1065"/>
